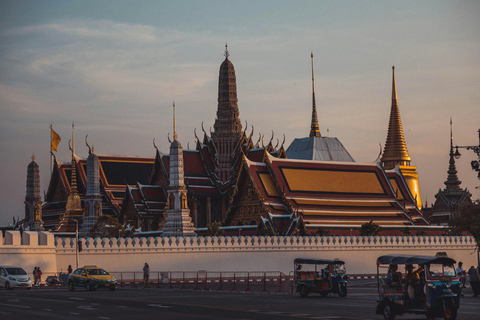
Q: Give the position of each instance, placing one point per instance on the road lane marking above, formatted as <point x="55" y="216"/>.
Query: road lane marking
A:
<point x="159" y="306"/>
<point x="15" y="305"/>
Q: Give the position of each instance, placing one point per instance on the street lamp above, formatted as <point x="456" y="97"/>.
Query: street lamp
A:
<point x="76" y="242"/>
<point x="475" y="163"/>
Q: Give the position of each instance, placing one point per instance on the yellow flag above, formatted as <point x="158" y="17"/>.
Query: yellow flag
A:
<point x="55" y="140"/>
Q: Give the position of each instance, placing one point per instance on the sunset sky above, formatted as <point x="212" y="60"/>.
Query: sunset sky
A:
<point x="115" y="67"/>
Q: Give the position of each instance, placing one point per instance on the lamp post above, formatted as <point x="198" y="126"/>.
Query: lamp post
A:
<point x="76" y="243"/>
<point x="475" y="163"/>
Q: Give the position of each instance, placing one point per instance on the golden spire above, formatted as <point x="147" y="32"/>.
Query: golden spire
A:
<point x="174" y="130"/>
<point x="314" y="128"/>
<point x="395" y="152"/>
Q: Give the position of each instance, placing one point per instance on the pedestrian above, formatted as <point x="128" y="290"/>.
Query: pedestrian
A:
<point x="39" y="275"/>
<point x="35" y="276"/>
<point x="461" y="274"/>
<point x="69" y="270"/>
<point x="146" y="272"/>
<point x="474" y="280"/>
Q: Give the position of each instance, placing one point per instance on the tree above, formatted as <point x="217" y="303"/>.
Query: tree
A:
<point x="106" y="227"/>
<point x="265" y="231"/>
<point x="421" y="233"/>
<point x="213" y="230"/>
<point x="467" y="219"/>
<point x="370" y="229"/>
<point x="322" y="232"/>
<point x="406" y="231"/>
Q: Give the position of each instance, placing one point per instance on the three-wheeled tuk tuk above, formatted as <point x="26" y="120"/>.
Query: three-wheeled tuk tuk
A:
<point x="320" y="276"/>
<point x="433" y="289"/>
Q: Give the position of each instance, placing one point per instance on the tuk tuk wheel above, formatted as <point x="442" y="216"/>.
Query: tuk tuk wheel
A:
<point x="303" y="291"/>
<point x="342" y="292"/>
<point x="324" y="294"/>
<point x="450" y="312"/>
<point x="388" y="313"/>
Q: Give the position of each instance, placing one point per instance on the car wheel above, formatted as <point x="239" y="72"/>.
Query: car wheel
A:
<point x="71" y="287"/>
<point x="324" y="294"/>
<point x="88" y="286"/>
<point x="29" y="288"/>
<point x="388" y="313"/>
<point x="112" y="288"/>
<point x="303" y="291"/>
<point x="7" y="286"/>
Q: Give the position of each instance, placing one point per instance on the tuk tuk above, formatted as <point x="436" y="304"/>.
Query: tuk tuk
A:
<point x="433" y="289"/>
<point x="320" y="276"/>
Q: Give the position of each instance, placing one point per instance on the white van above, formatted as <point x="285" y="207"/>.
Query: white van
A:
<point x="14" y="277"/>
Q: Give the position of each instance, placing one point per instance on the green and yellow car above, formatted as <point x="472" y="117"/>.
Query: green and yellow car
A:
<point x="91" y="278"/>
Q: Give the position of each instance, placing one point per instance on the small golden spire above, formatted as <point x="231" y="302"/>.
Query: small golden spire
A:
<point x="314" y="128"/>
<point x="174" y="130"/>
<point x="33" y="157"/>
<point x="226" y="54"/>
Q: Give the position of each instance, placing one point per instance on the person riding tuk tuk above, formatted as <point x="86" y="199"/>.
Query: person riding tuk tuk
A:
<point x="433" y="289"/>
<point x="320" y="276"/>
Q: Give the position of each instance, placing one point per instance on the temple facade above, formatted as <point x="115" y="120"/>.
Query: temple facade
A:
<point x="245" y="185"/>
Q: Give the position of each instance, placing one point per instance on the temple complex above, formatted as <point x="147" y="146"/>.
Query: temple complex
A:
<point x="245" y="185"/>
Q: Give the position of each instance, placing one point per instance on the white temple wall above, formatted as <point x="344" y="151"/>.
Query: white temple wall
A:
<point x="220" y="253"/>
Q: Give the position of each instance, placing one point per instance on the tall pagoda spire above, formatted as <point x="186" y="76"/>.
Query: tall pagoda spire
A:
<point x="314" y="128"/>
<point x="227" y="127"/>
<point x="452" y="183"/>
<point x="395" y="152"/>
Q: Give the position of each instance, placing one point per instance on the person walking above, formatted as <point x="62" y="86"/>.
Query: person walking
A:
<point x="474" y="280"/>
<point x="69" y="270"/>
<point x="39" y="275"/>
<point x="35" y="276"/>
<point x="146" y="273"/>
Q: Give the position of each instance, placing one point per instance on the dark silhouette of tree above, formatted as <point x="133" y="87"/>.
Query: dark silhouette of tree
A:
<point x="264" y="231"/>
<point x="106" y="227"/>
<point x="370" y="229"/>
<point x="406" y="231"/>
<point x="322" y="232"/>
<point x="466" y="219"/>
<point x="213" y="230"/>
<point x="421" y="233"/>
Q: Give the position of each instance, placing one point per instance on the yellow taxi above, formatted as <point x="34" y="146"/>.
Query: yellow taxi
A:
<point x="91" y="278"/>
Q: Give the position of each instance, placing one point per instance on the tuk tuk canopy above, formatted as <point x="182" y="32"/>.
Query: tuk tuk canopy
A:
<point x="413" y="259"/>
<point x="316" y="261"/>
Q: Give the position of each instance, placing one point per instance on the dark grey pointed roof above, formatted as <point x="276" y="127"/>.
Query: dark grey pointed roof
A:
<point x="318" y="149"/>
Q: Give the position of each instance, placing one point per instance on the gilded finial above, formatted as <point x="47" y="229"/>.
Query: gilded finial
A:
<point x="314" y="128"/>
<point x="226" y="54"/>
<point x="174" y="130"/>
<point x="86" y="143"/>
<point x="33" y="157"/>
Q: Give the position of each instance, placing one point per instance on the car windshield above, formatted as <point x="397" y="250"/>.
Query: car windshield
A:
<point x="339" y="268"/>
<point x="97" y="272"/>
<point x="16" y="271"/>
<point x="438" y="270"/>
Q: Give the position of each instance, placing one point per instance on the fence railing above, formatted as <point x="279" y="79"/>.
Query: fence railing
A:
<point x="246" y="282"/>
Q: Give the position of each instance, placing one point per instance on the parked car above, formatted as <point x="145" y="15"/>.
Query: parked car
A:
<point x="320" y="276"/>
<point x="91" y="278"/>
<point x="432" y="290"/>
<point x="14" y="277"/>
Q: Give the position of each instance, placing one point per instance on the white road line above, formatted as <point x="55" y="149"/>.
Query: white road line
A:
<point x="75" y="298"/>
<point x="159" y="306"/>
<point x="15" y="305"/>
<point x="103" y="318"/>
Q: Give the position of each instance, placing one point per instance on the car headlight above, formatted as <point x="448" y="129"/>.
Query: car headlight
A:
<point x="432" y="285"/>
<point x="12" y="278"/>
<point x="448" y="285"/>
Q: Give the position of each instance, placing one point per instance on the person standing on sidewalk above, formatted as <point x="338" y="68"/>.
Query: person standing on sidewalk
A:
<point x="146" y="272"/>
<point x="474" y="280"/>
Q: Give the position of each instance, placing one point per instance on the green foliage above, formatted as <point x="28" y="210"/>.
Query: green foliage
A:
<point x="322" y="232"/>
<point x="370" y="229"/>
<point x="265" y="231"/>
<point x="107" y="227"/>
<point x="421" y="233"/>
<point x="213" y="230"/>
<point x="406" y="231"/>
<point x="467" y="219"/>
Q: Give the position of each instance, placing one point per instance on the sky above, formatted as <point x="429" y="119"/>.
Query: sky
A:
<point x="114" y="68"/>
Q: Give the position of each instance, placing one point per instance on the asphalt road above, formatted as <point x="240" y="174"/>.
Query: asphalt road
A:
<point x="164" y="303"/>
